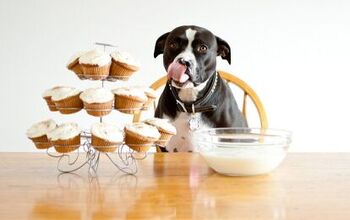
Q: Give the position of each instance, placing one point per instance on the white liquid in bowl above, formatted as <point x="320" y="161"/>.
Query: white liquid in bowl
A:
<point x="244" y="162"/>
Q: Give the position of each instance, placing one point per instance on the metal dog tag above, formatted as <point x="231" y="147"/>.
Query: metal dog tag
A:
<point x="193" y="122"/>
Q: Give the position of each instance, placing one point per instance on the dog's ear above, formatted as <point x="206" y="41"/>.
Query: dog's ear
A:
<point x="160" y="44"/>
<point x="224" y="49"/>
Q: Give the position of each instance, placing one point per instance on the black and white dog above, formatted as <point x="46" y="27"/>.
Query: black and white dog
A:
<point x="195" y="95"/>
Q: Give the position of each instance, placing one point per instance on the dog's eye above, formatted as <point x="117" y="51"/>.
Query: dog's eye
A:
<point x="202" y="48"/>
<point x="173" y="45"/>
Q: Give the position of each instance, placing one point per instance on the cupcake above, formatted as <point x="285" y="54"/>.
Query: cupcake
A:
<point x="74" y="65"/>
<point x="65" y="138"/>
<point x="106" y="137"/>
<point x="38" y="133"/>
<point x="140" y="136"/>
<point x="47" y="96"/>
<point x="67" y="100"/>
<point x="97" y="101"/>
<point x="95" y="64"/>
<point x="123" y="65"/>
<point x="165" y="128"/>
<point x="129" y="100"/>
<point x="151" y="96"/>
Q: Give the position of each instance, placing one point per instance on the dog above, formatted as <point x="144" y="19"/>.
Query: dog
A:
<point x="195" y="95"/>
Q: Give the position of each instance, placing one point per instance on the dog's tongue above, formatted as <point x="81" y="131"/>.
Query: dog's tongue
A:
<point x="176" y="71"/>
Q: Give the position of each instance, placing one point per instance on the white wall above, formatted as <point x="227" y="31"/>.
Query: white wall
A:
<point x="295" y="54"/>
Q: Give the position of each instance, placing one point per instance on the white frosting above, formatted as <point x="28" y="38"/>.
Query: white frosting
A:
<point x="107" y="132"/>
<point x="147" y="90"/>
<point x="144" y="130"/>
<point x="41" y="128"/>
<point x="75" y="56"/>
<point x="163" y="124"/>
<point x="95" y="57"/>
<point x="49" y="92"/>
<point x="64" y="92"/>
<point x="96" y="95"/>
<point x="130" y="92"/>
<point x="124" y="57"/>
<point x="64" y="131"/>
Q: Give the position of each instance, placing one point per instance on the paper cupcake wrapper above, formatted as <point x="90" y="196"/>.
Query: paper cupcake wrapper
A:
<point x="69" y="105"/>
<point x="164" y="138"/>
<point x="127" y="105"/>
<point x="41" y="142"/>
<point x="95" y="72"/>
<point x="98" y="109"/>
<point x="121" y="71"/>
<point x="66" y="146"/>
<point x="51" y="104"/>
<point x="76" y="68"/>
<point x="137" y="142"/>
<point x="103" y="145"/>
<point x="149" y="102"/>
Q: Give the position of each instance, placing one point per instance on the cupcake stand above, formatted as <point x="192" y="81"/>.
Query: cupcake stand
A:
<point x="124" y="158"/>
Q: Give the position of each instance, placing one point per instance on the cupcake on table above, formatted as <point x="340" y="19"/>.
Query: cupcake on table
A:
<point x="65" y="138"/>
<point x="38" y="133"/>
<point x="106" y="137"/>
<point x="140" y="136"/>
<point x="165" y="128"/>
<point x="123" y="65"/>
<point x="95" y="64"/>
<point x="97" y="101"/>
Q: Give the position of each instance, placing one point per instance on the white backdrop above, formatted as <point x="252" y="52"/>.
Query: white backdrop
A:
<point x="295" y="54"/>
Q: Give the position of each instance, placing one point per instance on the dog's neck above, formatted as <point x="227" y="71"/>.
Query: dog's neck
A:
<point x="191" y="93"/>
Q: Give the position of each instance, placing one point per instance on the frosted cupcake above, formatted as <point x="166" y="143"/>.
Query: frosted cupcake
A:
<point x="128" y="100"/>
<point x="65" y="138"/>
<point x="140" y="136"/>
<point x="123" y="65"/>
<point x="67" y="100"/>
<point x="47" y="96"/>
<point x="165" y="128"/>
<point x="38" y="133"/>
<point x="74" y="65"/>
<point x="106" y="137"/>
<point x="96" y="64"/>
<point x="151" y="96"/>
<point x="97" y="101"/>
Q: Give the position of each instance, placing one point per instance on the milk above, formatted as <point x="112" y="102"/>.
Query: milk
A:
<point x="245" y="162"/>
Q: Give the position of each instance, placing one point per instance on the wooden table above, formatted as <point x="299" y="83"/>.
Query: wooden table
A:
<point x="309" y="186"/>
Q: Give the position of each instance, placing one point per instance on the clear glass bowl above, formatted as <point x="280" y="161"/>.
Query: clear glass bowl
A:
<point x="242" y="151"/>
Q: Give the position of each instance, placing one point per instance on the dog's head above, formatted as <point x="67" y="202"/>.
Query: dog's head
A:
<point x="189" y="54"/>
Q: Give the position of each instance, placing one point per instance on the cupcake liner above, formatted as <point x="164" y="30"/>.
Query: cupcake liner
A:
<point x="76" y="68"/>
<point x="98" y="109"/>
<point x="164" y="138"/>
<point x="126" y="104"/>
<point x="138" y="142"/>
<point x="51" y="104"/>
<point x="121" y="71"/>
<point x="69" y="105"/>
<point x="148" y="103"/>
<point x="41" y="142"/>
<point x="66" y="146"/>
<point x="103" y="145"/>
<point x="95" y="72"/>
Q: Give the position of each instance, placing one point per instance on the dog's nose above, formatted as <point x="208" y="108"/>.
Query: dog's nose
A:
<point x="184" y="62"/>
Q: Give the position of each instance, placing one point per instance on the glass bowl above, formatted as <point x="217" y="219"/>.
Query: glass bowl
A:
<point x="242" y="151"/>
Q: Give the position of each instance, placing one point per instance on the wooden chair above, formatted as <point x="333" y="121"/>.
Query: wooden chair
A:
<point x="247" y="91"/>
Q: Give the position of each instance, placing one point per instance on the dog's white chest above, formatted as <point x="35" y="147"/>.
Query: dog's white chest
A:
<point x="182" y="141"/>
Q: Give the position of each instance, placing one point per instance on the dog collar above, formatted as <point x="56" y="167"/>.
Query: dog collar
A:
<point x="196" y="106"/>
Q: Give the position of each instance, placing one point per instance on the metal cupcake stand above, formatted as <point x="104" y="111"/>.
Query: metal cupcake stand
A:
<point x="123" y="159"/>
